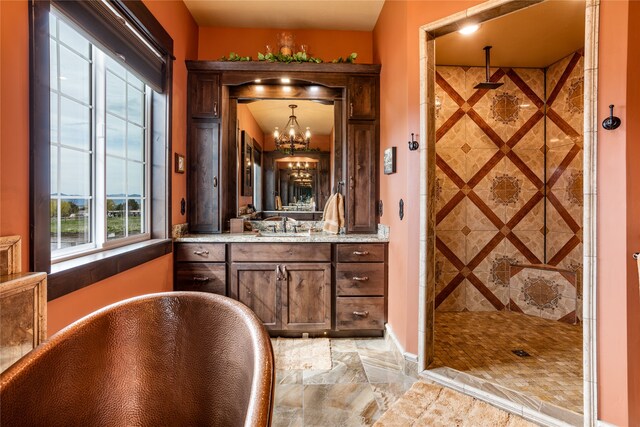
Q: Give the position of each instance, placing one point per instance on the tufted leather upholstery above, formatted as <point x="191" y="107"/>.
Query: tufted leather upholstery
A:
<point x="170" y="359"/>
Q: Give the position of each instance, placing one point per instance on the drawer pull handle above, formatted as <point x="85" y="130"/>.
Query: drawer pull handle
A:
<point x="351" y="109"/>
<point x="361" y="253"/>
<point x="360" y="279"/>
<point x="201" y="279"/>
<point x="201" y="252"/>
<point x="361" y="313"/>
<point x="215" y="108"/>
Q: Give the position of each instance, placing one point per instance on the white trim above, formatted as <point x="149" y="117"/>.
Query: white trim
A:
<point x="411" y="357"/>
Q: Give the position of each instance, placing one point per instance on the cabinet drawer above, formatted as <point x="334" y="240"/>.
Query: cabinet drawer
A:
<point x="366" y="252"/>
<point x="200" y="276"/>
<point x="200" y="252"/>
<point x="281" y="252"/>
<point x="359" y="313"/>
<point x="360" y="279"/>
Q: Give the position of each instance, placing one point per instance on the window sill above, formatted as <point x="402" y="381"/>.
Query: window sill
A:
<point x="71" y="275"/>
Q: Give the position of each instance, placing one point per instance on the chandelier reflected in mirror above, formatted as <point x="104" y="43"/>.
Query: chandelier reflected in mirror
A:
<point x="292" y="139"/>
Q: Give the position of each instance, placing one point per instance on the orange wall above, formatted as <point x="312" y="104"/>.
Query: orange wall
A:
<point x="154" y="276"/>
<point x="14" y="123"/>
<point x="325" y="44"/>
<point x="618" y="212"/>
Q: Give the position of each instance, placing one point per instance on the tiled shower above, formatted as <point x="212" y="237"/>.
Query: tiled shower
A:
<point x="509" y="190"/>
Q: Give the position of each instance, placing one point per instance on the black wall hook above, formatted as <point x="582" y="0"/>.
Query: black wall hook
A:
<point x="612" y="122"/>
<point x="413" y="144"/>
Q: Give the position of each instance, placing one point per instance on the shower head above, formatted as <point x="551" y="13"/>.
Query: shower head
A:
<point x="487" y="84"/>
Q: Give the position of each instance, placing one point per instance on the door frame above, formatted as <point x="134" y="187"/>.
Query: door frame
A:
<point x="428" y="34"/>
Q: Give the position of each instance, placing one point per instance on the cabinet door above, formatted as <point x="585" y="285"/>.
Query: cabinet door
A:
<point x="257" y="287"/>
<point x="204" y="95"/>
<point x="203" y="178"/>
<point x="306" y="297"/>
<point x="362" y="94"/>
<point x="361" y="177"/>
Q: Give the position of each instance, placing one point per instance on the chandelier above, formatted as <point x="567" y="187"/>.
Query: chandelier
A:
<point x="299" y="169"/>
<point x="292" y="138"/>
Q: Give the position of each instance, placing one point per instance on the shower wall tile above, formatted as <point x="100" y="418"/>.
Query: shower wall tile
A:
<point x="490" y="171"/>
<point x="491" y="179"/>
<point x="565" y="81"/>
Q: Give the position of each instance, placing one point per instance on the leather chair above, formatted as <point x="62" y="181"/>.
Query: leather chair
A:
<point x="169" y="359"/>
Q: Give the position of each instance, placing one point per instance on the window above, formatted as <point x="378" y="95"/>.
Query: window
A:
<point x="100" y="102"/>
<point x="99" y="147"/>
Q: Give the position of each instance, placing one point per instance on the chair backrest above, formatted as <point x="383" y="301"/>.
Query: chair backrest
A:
<point x="178" y="358"/>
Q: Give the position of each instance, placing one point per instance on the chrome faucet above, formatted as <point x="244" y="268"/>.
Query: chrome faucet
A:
<point x="284" y="224"/>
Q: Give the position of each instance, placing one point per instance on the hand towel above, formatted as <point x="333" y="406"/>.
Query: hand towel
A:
<point x="334" y="214"/>
<point x="278" y="203"/>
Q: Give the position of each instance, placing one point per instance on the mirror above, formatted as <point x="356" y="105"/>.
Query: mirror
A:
<point x="274" y="181"/>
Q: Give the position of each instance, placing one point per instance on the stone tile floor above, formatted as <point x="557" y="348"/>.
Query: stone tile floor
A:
<point x="365" y="379"/>
<point x="480" y="344"/>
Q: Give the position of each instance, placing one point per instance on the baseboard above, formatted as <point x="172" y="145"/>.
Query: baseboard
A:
<point x="408" y="361"/>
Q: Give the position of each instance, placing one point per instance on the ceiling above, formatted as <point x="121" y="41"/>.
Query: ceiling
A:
<point x="533" y="37"/>
<point x="356" y="15"/>
<point x="275" y="112"/>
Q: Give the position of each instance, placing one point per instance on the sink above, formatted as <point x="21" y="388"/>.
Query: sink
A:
<point x="281" y="234"/>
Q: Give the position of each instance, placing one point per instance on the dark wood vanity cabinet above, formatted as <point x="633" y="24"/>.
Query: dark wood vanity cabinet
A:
<point x="337" y="289"/>
<point x="362" y="171"/>
<point x="204" y="95"/>
<point x="201" y="267"/>
<point x="361" y="286"/>
<point x="204" y="149"/>
<point x="362" y="93"/>
<point x="285" y="290"/>
<point x="203" y="187"/>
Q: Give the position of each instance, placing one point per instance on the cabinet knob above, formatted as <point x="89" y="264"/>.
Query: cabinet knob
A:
<point x="361" y="313"/>
<point x="201" y="279"/>
<point x="360" y="279"/>
<point x="201" y="253"/>
<point x="361" y="253"/>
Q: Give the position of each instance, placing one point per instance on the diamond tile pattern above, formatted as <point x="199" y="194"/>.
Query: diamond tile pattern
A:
<point x="490" y="169"/>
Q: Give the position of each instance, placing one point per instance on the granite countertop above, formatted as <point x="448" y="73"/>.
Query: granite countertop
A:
<point x="252" y="237"/>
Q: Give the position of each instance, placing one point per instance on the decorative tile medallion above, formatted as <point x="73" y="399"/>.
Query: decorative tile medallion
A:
<point x="541" y="293"/>
<point x="505" y="108"/>
<point x="505" y="189"/>
<point x="500" y="270"/>
<point x="575" y="96"/>
<point x="575" y="189"/>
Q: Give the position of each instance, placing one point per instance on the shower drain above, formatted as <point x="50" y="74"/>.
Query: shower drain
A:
<point x="520" y="353"/>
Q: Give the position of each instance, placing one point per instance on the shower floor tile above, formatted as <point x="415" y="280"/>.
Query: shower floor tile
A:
<point x="481" y="344"/>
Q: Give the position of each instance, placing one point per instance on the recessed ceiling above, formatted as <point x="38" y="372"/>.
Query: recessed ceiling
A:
<point x="270" y="113"/>
<point x="356" y="15"/>
<point x="533" y="37"/>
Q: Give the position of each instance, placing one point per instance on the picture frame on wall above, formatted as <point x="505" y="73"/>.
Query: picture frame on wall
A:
<point x="180" y="163"/>
<point x="390" y="160"/>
